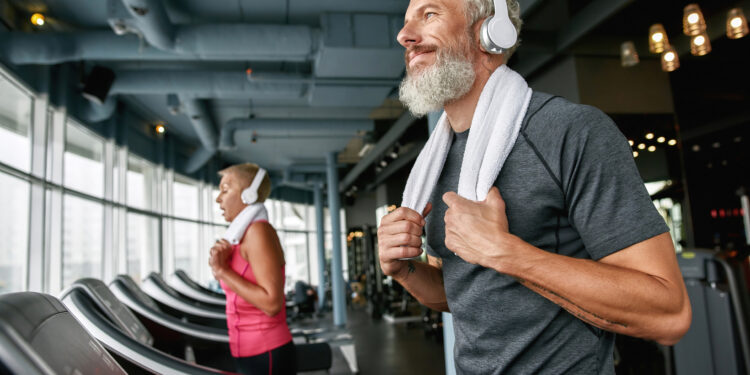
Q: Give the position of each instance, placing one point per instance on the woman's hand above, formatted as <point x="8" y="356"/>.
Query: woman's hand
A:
<point x="220" y="253"/>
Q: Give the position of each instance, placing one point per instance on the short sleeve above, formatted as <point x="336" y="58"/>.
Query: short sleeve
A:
<point x="606" y="199"/>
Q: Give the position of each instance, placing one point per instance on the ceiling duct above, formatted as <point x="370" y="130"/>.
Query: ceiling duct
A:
<point x="292" y="128"/>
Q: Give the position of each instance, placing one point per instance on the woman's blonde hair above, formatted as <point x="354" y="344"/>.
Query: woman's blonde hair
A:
<point x="246" y="173"/>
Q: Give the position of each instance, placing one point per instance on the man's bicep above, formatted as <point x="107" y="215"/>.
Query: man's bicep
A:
<point x="654" y="256"/>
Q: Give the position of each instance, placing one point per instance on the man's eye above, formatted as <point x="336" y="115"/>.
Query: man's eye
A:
<point x="429" y="15"/>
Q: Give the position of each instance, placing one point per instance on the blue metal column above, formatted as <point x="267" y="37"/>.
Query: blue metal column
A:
<point x="319" y="223"/>
<point x="337" y="278"/>
<point x="449" y="338"/>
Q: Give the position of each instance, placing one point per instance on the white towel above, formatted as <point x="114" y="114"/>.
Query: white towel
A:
<point x="238" y="226"/>
<point x="497" y="121"/>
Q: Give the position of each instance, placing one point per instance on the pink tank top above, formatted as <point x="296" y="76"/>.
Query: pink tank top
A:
<point x="251" y="331"/>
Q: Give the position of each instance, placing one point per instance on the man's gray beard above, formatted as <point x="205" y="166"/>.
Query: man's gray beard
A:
<point x="450" y="78"/>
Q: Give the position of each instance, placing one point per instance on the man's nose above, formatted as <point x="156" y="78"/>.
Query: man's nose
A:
<point x="408" y="36"/>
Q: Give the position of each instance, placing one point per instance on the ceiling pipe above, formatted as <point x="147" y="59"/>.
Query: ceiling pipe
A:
<point x="219" y="39"/>
<point x="152" y="21"/>
<point x="202" y="84"/>
<point x="201" y="43"/>
<point x="197" y="112"/>
<point x="223" y="84"/>
<point x="291" y="128"/>
<point x="91" y="112"/>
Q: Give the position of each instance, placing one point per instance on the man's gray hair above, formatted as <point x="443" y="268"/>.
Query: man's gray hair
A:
<point x="480" y="9"/>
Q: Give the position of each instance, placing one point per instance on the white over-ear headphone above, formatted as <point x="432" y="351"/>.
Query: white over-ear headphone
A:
<point x="250" y="195"/>
<point x="498" y="34"/>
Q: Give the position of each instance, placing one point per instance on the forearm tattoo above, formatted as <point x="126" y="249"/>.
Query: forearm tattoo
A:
<point x="581" y="313"/>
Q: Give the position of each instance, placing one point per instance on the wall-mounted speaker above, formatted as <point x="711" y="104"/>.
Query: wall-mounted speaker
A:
<point x="97" y="84"/>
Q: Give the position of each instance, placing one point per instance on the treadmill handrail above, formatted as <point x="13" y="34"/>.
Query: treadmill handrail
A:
<point x="114" y="339"/>
<point x="739" y="309"/>
<point x="190" y="329"/>
<point x="156" y="292"/>
<point x="14" y="347"/>
<point x="182" y="287"/>
<point x="193" y="284"/>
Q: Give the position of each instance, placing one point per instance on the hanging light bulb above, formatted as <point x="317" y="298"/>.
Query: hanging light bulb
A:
<point x="37" y="19"/>
<point x="669" y="60"/>
<point x="736" y="24"/>
<point x="651" y="148"/>
<point x="661" y="139"/>
<point x="657" y="38"/>
<point x="635" y="154"/>
<point x="642" y="146"/>
<point x="629" y="55"/>
<point x="700" y="45"/>
<point x="693" y="22"/>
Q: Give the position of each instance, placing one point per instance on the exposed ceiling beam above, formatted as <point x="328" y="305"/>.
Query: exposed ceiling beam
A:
<point x="579" y="25"/>
<point x="393" y="134"/>
<point x="396" y="165"/>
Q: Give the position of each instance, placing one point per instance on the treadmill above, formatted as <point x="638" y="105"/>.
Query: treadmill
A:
<point x="39" y="336"/>
<point x="717" y="342"/>
<point x="184" y="285"/>
<point x="310" y="356"/>
<point x="179" y="306"/>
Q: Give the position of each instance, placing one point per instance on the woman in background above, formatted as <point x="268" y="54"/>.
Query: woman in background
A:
<point x="249" y="264"/>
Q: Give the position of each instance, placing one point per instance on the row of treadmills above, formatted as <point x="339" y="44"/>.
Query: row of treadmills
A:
<point x="155" y="328"/>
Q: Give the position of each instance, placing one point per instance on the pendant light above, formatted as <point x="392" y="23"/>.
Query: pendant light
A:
<point x="693" y="22"/>
<point x="670" y="61"/>
<point x="700" y="45"/>
<point x="629" y="55"/>
<point x="736" y="24"/>
<point x="657" y="38"/>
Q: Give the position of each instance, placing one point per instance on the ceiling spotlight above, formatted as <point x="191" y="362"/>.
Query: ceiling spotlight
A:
<point x="650" y="136"/>
<point x="657" y="40"/>
<point x="716" y="145"/>
<point x="393" y="154"/>
<point x="383" y="163"/>
<point x="635" y="154"/>
<point x="693" y="22"/>
<point x="696" y="148"/>
<point x="661" y="139"/>
<point x="669" y="60"/>
<point x="37" y="19"/>
<point x="160" y="129"/>
<point x="736" y="24"/>
<point x="630" y="141"/>
<point x="673" y="142"/>
<point x="641" y="146"/>
<point x="651" y="148"/>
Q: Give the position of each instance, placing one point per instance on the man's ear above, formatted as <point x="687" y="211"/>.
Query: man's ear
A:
<point x="475" y="28"/>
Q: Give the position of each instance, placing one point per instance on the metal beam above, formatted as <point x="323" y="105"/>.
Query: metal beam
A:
<point x="583" y="22"/>
<point x="393" y="134"/>
<point x="396" y="165"/>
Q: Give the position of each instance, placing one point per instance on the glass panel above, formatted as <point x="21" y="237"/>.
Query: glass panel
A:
<point x="185" y="198"/>
<point x="14" y="232"/>
<point x="15" y="121"/>
<point x="142" y="250"/>
<point x="216" y="211"/>
<point x="82" y="239"/>
<point x="140" y="179"/>
<point x="84" y="165"/>
<point x="186" y="248"/>
<point x="295" y="254"/>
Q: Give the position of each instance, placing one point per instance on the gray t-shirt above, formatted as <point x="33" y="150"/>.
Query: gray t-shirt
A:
<point x="571" y="187"/>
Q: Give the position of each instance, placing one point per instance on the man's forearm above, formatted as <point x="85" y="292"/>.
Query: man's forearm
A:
<point x="613" y="298"/>
<point x="425" y="283"/>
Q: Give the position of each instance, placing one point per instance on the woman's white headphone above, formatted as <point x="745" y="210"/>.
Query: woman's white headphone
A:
<point x="250" y="195"/>
<point x="498" y="34"/>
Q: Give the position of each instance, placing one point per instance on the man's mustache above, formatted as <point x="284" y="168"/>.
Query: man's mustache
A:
<point x="421" y="48"/>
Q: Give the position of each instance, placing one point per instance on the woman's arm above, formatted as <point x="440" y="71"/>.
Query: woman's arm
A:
<point x="261" y="248"/>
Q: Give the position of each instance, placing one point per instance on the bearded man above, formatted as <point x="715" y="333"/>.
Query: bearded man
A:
<point x="552" y="244"/>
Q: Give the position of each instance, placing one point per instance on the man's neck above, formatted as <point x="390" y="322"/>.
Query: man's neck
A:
<point x="460" y="112"/>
